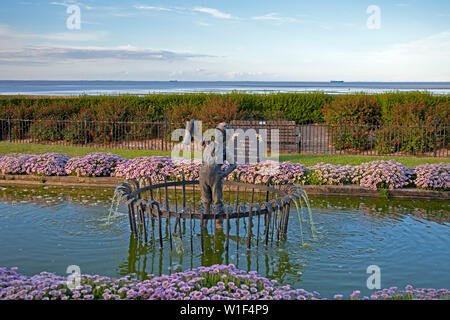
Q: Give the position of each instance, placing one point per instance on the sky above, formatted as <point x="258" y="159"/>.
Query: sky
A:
<point x="228" y="40"/>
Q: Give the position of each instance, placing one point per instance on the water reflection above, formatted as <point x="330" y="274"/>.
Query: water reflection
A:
<point x="274" y="263"/>
<point x="51" y="228"/>
<point x="430" y="210"/>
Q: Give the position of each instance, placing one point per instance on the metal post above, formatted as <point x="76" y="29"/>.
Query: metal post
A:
<point x="85" y="130"/>
<point x="436" y="123"/>
<point x="165" y="132"/>
<point x="9" y="128"/>
<point x="340" y="135"/>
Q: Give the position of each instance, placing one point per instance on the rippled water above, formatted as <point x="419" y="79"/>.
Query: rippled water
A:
<point x="49" y="228"/>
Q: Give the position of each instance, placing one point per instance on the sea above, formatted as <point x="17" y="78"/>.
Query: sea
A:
<point x="75" y="88"/>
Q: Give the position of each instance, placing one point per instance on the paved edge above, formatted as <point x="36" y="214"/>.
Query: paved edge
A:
<point x="111" y="182"/>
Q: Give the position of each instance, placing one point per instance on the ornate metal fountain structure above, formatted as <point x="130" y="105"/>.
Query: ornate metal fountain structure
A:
<point x="265" y="210"/>
<point x="175" y="207"/>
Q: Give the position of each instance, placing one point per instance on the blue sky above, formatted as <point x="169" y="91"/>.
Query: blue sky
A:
<point x="283" y="40"/>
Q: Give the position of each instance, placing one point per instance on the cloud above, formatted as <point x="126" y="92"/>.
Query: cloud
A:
<point x="214" y="12"/>
<point x="55" y="54"/>
<point x="427" y="58"/>
<point x="70" y="3"/>
<point x="203" y="24"/>
<point x="274" y="17"/>
<point x="8" y="34"/>
<point x="72" y="36"/>
<point x="144" y="7"/>
<point x="241" y="75"/>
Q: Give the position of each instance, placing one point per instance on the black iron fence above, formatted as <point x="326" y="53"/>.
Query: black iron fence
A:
<point x="313" y="138"/>
<point x="147" y="135"/>
<point x="414" y="139"/>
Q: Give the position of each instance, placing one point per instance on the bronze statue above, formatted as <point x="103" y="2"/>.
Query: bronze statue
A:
<point x="211" y="175"/>
<point x="211" y="172"/>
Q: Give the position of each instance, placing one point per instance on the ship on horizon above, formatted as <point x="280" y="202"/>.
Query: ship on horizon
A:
<point x="337" y="81"/>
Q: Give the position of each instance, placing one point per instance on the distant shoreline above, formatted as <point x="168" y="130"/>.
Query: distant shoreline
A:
<point x="43" y="88"/>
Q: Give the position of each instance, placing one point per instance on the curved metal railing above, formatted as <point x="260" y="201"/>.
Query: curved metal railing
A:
<point x="169" y="203"/>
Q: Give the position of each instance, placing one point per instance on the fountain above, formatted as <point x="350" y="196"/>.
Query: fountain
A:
<point x="263" y="209"/>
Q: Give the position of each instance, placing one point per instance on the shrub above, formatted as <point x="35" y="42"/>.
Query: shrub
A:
<point x="289" y="172"/>
<point x="13" y="163"/>
<point x="355" y="109"/>
<point x="102" y="132"/>
<point x="328" y="174"/>
<point x="257" y="173"/>
<point x="412" y="139"/>
<point x="216" y="282"/>
<point x="76" y="131"/>
<point x="382" y="175"/>
<point x="189" y="168"/>
<point x="211" y="112"/>
<point x="352" y="119"/>
<point x="46" y="130"/>
<point x="47" y="164"/>
<point x="95" y="164"/>
<point x="413" y="127"/>
<point x="433" y="176"/>
<point x="157" y="167"/>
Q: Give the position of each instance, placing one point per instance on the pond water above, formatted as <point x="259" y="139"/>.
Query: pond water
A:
<point x="50" y="228"/>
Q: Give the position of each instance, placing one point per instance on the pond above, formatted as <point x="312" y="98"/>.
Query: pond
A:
<point x="50" y="228"/>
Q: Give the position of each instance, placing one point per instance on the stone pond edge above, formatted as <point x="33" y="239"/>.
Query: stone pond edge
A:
<point x="111" y="182"/>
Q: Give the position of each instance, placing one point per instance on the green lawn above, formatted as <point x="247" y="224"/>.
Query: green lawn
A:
<point x="308" y="160"/>
<point x="31" y="148"/>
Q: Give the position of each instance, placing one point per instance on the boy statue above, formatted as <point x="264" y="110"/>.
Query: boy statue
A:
<point x="211" y="173"/>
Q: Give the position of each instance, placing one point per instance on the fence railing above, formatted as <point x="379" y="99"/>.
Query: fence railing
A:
<point x="148" y="135"/>
<point x="431" y="140"/>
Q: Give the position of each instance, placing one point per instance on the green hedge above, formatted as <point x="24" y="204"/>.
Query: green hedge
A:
<point x="354" y="119"/>
<point x="411" y="122"/>
<point x="295" y="106"/>
<point x="301" y="107"/>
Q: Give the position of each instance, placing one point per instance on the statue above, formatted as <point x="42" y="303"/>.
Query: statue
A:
<point x="211" y="172"/>
<point x="211" y="175"/>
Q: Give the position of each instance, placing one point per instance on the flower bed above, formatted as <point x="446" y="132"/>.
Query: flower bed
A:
<point x="13" y="164"/>
<point x="97" y="164"/>
<point x="372" y="175"/>
<point x="382" y="175"/>
<point x="433" y="176"/>
<point x="47" y="164"/>
<point x="328" y="174"/>
<point x="217" y="282"/>
<point x="155" y="166"/>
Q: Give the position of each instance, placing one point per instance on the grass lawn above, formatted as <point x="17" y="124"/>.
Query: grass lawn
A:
<point x="308" y="160"/>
